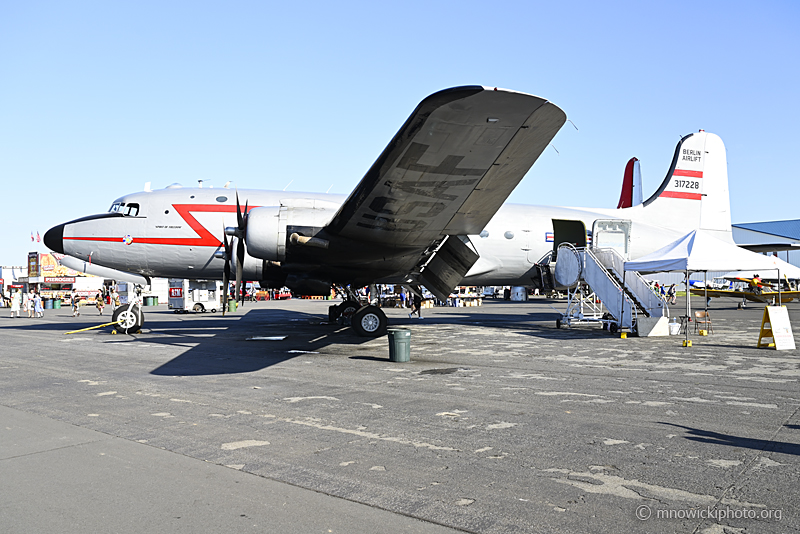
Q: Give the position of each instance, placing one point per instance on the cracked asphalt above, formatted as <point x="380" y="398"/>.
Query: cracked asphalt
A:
<point x="500" y="423"/>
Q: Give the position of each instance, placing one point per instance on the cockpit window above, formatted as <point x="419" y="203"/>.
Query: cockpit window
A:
<point x="131" y="209"/>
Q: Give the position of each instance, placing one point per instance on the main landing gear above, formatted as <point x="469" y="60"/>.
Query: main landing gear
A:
<point x="367" y="321"/>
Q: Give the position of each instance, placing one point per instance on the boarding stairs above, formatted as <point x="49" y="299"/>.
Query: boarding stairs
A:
<point x="597" y="274"/>
<point x="543" y="280"/>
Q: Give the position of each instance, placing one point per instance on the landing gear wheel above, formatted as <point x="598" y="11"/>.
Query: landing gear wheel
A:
<point x="127" y="318"/>
<point x="558" y="323"/>
<point x="333" y="313"/>
<point x="369" y="321"/>
<point x="346" y="311"/>
<point x="213" y="310"/>
<point x="613" y="327"/>
<point x="198" y="308"/>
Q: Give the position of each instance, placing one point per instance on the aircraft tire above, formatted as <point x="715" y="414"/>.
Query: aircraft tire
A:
<point x="346" y="311"/>
<point x="333" y="313"/>
<point x="369" y="321"/>
<point x="558" y="323"/>
<point x="613" y="328"/>
<point x="127" y="319"/>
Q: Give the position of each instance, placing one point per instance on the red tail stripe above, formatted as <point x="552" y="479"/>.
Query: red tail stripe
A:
<point x="679" y="194"/>
<point x="690" y="174"/>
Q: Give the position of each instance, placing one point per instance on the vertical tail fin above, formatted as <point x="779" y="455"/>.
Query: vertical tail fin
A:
<point x="631" y="194"/>
<point x="694" y="194"/>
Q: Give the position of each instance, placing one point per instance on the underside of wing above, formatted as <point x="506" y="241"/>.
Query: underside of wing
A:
<point x="771" y="247"/>
<point x="449" y="168"/>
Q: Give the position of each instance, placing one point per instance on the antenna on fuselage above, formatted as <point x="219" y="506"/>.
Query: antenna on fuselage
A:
<point x="227" y="185"/>
<point x="200" y="184"/>
<point x="287" y="185"/>
<point x="331" y="187"/>
<point x="147" y="187"/>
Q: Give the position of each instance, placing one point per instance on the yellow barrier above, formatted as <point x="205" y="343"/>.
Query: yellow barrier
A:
<point x="91" y="328"/>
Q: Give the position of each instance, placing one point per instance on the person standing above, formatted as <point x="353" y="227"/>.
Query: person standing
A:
<point x="76" y="311"/>
<point x="16" y="302"/>
<point x="38" y="311"/>
<point x="99" y="302"/>
<point x="417" y="307"/>
<point x="672" y="294"/>
<point x="113" y="297"/>
<point x="27" y="304"/>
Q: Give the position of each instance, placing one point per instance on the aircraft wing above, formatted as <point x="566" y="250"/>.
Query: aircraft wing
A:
<point x="765" y="296"/>
<point x="449" y="168"/>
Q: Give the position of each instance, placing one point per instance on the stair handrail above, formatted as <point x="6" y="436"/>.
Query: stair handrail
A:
<point x="615" y="303"/>
<point x="653" y="304"/>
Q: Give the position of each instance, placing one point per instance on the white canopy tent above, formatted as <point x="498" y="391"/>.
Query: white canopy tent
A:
<point x="698" y="251"/>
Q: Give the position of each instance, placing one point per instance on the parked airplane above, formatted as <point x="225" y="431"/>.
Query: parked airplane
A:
<point x="425" y="213"/>
<point x="443" y="176"/>
<point x="754" y="289"/>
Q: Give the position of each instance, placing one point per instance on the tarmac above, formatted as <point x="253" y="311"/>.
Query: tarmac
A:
<point x="499" y="423"/>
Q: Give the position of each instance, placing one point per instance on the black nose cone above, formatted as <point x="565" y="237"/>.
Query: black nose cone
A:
<point x="54" y="239"/>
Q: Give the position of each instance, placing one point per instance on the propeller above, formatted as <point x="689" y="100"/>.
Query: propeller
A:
<point x="240" y="250"/>
<point x="226" y="271"/>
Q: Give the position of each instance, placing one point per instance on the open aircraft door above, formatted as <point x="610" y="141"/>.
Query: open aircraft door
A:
<point x="567" y="231"/>
<point x="613" y="233"/>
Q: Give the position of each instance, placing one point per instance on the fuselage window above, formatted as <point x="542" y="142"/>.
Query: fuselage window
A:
<point x="132" y="209"/>
<point x="222" y="199"/>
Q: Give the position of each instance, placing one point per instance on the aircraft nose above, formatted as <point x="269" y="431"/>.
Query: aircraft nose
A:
<point x="54" y="239"/>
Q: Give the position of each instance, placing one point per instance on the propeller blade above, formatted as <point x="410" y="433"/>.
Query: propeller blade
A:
<point x="239" y="218"/>
<point x="226" y="271"/>
<point x="239" y="267"/>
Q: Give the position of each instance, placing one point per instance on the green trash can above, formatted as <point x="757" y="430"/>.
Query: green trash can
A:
<point x="232" y="306"/>
<point x="155" y="300"/>
<point x="399" y="344"/>
<point x="57" y="304"/>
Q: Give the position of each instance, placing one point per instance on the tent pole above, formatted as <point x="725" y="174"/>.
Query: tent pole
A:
<point x="705" y="289"/>
<point x="779" y="288"/>
<point x="687" y="305"/>
<point x="622" y="304"/>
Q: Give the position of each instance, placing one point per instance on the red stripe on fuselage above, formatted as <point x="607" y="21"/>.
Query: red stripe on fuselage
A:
<point x="204" y="237"/>
<point x="690" y="174"/>
<point x="680" y="194"/>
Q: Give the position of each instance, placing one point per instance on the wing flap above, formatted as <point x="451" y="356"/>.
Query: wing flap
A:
<point x="447" y="267"/>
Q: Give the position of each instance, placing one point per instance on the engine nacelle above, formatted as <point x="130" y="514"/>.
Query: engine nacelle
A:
<point x="267" y="227"/>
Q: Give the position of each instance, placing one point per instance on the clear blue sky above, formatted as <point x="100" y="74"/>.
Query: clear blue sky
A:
<point x="97" y="98"/>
